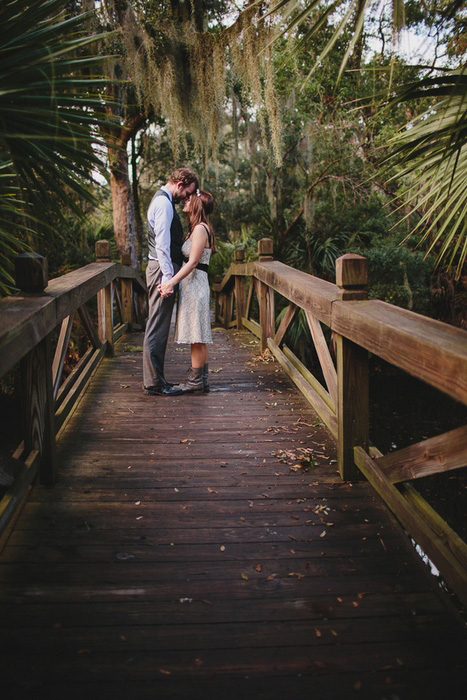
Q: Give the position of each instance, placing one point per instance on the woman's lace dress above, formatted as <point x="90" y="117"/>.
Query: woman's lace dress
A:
<point x="193" y="323"/>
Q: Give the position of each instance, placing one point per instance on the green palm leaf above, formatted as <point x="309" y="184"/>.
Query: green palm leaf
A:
<point x="432" y="152"/>
<point x="51" y="104"/>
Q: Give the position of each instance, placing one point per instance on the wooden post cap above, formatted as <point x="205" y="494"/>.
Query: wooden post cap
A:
<point x="265" y="249"/>
<point x="102" y="249"/>
<point x="352" y="276"/>
<point x="239" y="254"/>
<point x="31" y="272"/>
<point x="125" y="259"/>
<point x="351" y="271"/>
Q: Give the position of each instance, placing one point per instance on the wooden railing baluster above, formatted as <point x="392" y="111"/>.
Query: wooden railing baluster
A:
<point x="61" y="351"/>
<point x="127" y="295"/>
<point x="240" y="289"/>
<point x="105" y="302"/>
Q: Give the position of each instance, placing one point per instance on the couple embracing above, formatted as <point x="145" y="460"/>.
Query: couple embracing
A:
<point x="179" y="261"/>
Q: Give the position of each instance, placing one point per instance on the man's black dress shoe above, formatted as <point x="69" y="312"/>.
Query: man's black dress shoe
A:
<point x="162" y="391"/>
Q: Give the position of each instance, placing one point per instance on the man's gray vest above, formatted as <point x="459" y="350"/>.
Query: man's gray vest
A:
<point x="176" y="235"/>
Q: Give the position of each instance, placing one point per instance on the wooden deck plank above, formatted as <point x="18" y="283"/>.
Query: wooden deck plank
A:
<point x="178" y="557"/>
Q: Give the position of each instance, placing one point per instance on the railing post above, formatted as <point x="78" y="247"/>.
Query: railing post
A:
<point x="240" y="288"/>
<point x="105" y="302"/>
<point x="266" y="295"/>
<point x="127" y="294"/>
<point x="218" y="300"/>
<point x="38" y="405"/>
<point x="352" y="371"/>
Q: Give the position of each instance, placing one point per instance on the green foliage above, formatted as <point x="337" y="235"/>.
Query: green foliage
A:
<point x="399" y="275"/>
<point x="47" y="124"/>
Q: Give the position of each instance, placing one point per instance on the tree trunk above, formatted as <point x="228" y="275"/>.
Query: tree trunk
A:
<point x="122" y="205"/>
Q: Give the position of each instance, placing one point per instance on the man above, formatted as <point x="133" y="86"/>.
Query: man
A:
<point x="165" y="237"/>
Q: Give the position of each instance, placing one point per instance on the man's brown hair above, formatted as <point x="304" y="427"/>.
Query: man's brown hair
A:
<point x="185" y="176"/>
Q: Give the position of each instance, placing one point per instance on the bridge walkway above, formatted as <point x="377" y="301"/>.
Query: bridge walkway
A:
<point x="204" y="546"/>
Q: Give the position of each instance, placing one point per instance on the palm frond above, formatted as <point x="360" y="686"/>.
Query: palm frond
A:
<point x="51" y="104"/>
<point x="432" y="151"/>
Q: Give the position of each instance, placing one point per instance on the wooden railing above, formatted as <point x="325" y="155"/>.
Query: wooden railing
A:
<point x="429" y="350"/>
<point x="28" y="322"/>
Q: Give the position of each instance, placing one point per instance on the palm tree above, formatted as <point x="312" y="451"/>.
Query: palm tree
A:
<point x="48" y="138"/>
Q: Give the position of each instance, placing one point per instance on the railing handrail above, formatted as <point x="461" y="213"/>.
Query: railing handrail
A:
<point x="28" y="318"/>
<point x="399" y="336"/>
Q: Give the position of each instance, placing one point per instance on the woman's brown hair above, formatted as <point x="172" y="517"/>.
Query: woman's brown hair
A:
<point x="201" y="206"/>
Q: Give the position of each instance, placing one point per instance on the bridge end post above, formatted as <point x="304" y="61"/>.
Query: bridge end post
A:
<point x="105" y="302"/>
<point x="266" y="295"/>
<point x="37" y="399"/>
<point x="352" y="372"/>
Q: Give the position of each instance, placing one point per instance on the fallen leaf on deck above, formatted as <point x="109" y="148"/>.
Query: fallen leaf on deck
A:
<point x="323" y="534"/>
<point x="271" y="577"/>
<point x="222" y="548"/>
<point x="164" y="671"/>
<point x="244" y="576"/>
<point x="258" y="567"/>
<point x="295" y="467"/>
<point x="318" y="633"/>
<point x="293" y="573"/>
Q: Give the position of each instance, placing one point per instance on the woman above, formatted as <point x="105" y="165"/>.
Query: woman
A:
<point x="193" y="315"/>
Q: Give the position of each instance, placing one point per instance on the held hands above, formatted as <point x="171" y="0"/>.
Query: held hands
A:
<point x="165" y="290"/>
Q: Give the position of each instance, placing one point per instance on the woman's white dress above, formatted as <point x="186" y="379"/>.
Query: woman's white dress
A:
<point x="193" y="323"/>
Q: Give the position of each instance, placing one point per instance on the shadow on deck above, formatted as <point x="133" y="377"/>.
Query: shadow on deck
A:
<point x="180" y="557"/>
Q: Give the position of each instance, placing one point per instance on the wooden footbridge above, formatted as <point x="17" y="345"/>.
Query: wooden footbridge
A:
<point x="242" y="543"/>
